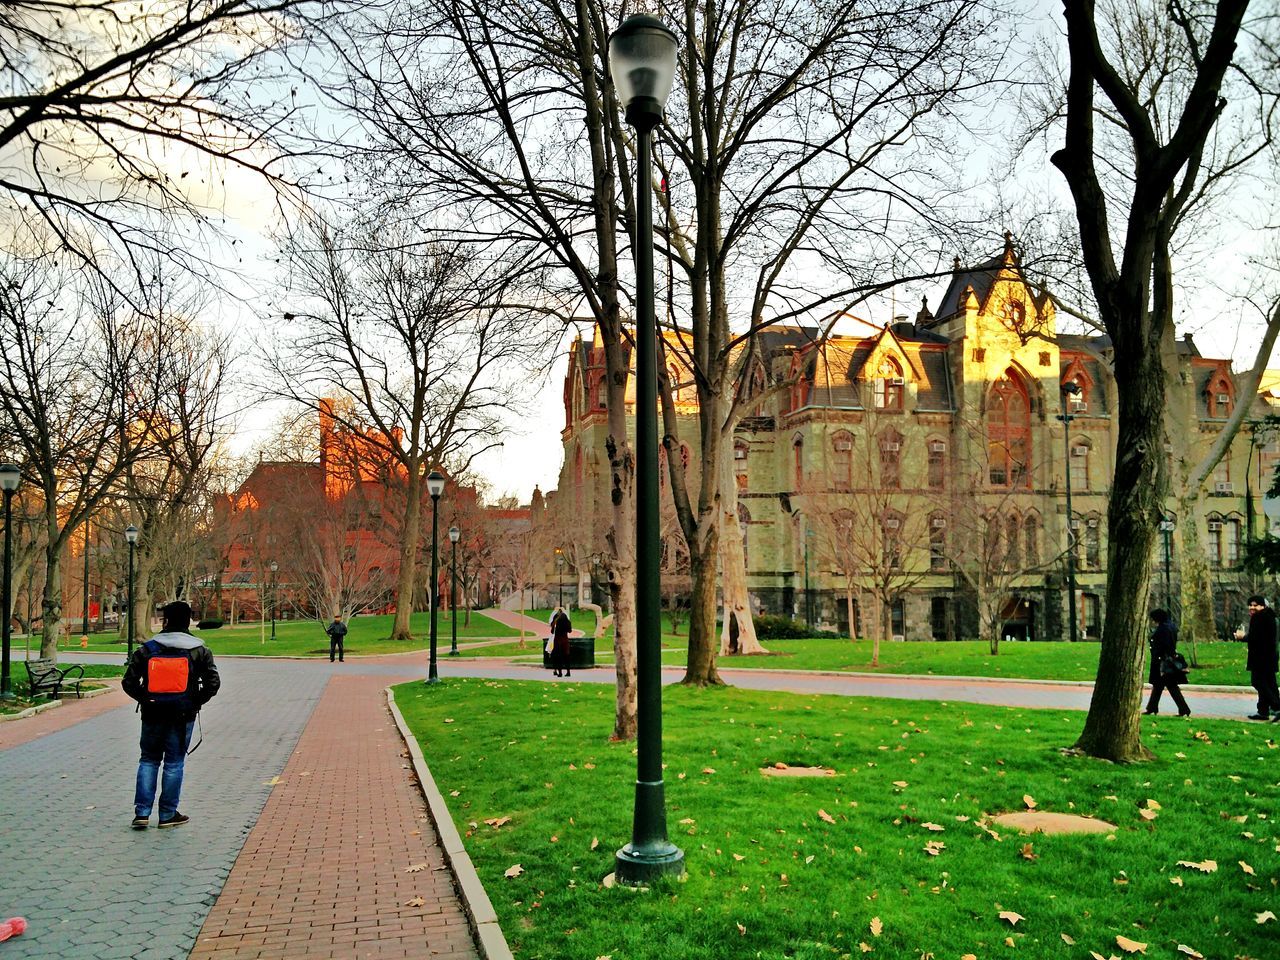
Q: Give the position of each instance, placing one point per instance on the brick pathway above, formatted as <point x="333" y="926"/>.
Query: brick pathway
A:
<point x="325" y="872"/>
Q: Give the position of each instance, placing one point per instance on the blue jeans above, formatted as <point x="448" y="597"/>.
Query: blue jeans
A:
<point x="162" y="740"/>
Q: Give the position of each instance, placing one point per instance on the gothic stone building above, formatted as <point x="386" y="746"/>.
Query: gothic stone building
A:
<point x="917" y="425"/>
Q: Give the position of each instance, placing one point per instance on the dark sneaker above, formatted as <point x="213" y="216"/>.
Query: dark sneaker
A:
<point x="141" y="823"/>
<point x="1257" y="716"/>
<point x="176" y="820"/>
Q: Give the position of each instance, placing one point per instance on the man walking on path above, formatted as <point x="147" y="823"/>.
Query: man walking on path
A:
<point x="336" y="631"/>
<point x="1263" y="657"/>
<point x="172" y="676"/>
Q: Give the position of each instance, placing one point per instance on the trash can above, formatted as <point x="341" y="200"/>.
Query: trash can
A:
<point x="582" y="653"/>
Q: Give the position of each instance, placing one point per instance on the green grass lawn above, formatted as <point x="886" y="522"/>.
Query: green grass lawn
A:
<point x="835" y="867"/>
<point x="301" y="638"/>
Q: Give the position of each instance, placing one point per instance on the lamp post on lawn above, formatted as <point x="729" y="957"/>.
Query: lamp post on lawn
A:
<point x="274" y="567"/>
<point x="559" y="578"/>
<point x="1166" y="527"/>
<point x="10" y="477"/>
<point x="435" y="487"/>
<point x="131" y="535"/>
<point x="85" y="633"/>
<point x="1069" y="389"/>
<point x="642" y="63"/>
<point x="454" y="535"/>
<point x="808" y="593"/>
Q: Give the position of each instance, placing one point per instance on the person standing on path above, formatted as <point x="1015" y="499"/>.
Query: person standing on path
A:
<point x="1263" y="658"/>
<point x="171" y="676"/>
<point x="560" y="627"/>
<point x="1164" y="644"/>
<point x="336" y="631"/>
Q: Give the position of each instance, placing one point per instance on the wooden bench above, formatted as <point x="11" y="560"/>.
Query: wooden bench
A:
<point x="45" y="675"/>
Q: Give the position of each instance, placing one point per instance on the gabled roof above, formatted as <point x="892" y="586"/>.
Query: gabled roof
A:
<point x="981" y="278"/>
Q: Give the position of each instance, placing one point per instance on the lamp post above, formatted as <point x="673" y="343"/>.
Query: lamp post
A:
<point x="1166" y="527"/>
<point x="808" y="593"/>
<point x="642" y="63"/>
<point x="131" y="535"/>
<point x="85" y="633"/>
<point x="559" y="578"/>
<point x="10" y="477"/>
<point x="435" y="487"/>
<point x="274" y="568"/>
<point x="454" y="535"/>
<point x="1069" y="389"/>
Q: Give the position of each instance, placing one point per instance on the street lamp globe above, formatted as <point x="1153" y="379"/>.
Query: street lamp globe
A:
<point x="10" y="477"/>
<point x="435" y="484"/>
<point x="454" y="534"/>
<point x="131" y="533"/>
<point x="642" y="62"/>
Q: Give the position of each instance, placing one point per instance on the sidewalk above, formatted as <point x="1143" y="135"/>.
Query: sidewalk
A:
<point x="325" y="872"/>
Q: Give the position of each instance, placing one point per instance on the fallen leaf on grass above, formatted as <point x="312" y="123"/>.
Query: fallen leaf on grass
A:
<point x="1130" y="946"/>
<point x="1067" y="939"/>
<point x="415" y="902"/>
<point x="448" y="719"/>
<point x="934" y="847"/>
<point x="900" y="783"/>
<point x="1031" y="804"/>
<point x="969" y="956"/>
<point x="496" y="822"/>
<point x="876" y="926"/>
<point x="1147" y="814"/>
<point x="416" y="868"/>
<point x="708" y="770"/>
<point x="1026" y="852"/>
<point x="823" y="815"/>
<point x="595" y="842"/>
<point x="864" y="947"/>
<point x="1176" y="881"/>
<point x="935" y="827"/>
<point x="1097" y="956"/>
<point x="1191" y="952"/>
<point x="1264" y="916"/>
<point x="742" y="931"/>
<point x="1247" y="869"/>
<point x="513" y="871"/>
<point x="1204" y="866"/>
<point x="1012" y="917"/>
<point x="1152" y="805"/>
<point x="739" y="857"/>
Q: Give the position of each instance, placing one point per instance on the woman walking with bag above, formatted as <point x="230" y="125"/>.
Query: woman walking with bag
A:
<point x="560" y="627"/>
<point x="1168" y="668"/>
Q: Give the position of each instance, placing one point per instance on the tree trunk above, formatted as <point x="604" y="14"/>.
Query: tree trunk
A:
<point x="1111" y="730"/>
<point x="881" y="633"/>
<point x="701" y="666"/>
<point x="733" y="566"/>
<point x="851" y="606"/>
<point x="51" y="602"/>
<point x="1195" y="619"/>
<point x="408" y="555"/>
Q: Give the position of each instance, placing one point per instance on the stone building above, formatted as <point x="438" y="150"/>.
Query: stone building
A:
<point x="933" y="456"/>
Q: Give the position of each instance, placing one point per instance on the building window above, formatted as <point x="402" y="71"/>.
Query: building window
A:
<point x="1031" y="539"/>
<point x="842" y="461"/>
<point x="1012" y="553"/>
<point x="1008" y="432"/>
<point x="937" y="464"/>
<point x="740" y="450"/>
<point x="891" y="527"/>
<point x="1079" y="456"/>
<point x="937" y="542"/>
<point x="890" y="458"/>
<point x="938" y="618"/>
<point x="1231" y="543"/>
<point x="1091" y="605"/>
<point x="1093" y="543"/>
<point x="898" y="618"/>
<point x="1220" y="396"/>
<point x="889" y="385"/>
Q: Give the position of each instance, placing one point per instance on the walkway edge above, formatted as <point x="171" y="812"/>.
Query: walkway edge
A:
<point x="484" y="920"/>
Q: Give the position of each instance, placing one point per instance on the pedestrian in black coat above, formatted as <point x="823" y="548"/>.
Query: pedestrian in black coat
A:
<point x="1164" y="644"/>
<point x="1262" y="659"/>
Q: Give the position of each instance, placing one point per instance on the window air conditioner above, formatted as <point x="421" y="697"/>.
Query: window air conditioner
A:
<point x="844" y="443"/>
<point x="1215" y="525"/>
<point x="938" y="523"/>
<point x="891" y="524"/>
<point x="739" y="453"/>
<point x="937" y="446"/>
<point x="896" y="381"/>
<point x="892" y="446"/>
<point x="1077" y="404"/>
<point x="1093" y="523"/>
<point x="1075" y="524"/>
<point x="1223" y="398"/>
<point x="1222" y="486"/>
<point x="1080" y="450"/>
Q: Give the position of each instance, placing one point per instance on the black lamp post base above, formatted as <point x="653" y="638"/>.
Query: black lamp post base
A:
<point x="431" y="680"/>
<point x="8" y="695"/>
<point x="638" y="866"/>
<point x="454" y="653"/>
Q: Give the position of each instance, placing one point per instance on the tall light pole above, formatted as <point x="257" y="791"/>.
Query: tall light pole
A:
<point x="85" y="633"/>
<point x="808" y="593"/>
<point x="435" y="487"/>
<point x="131" y="535"/>
<point x="10" y="477"/>
<point x="454" y="536"/>
<point x="274" y="569"/>
<point x="642" y="63"/>
<point x="559" y="578"/>
<point x="1166" y="527"/>
<point x="1069" y="389"/>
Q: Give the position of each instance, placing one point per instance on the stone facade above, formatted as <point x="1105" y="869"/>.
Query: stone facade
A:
<point x="923" y="440"/>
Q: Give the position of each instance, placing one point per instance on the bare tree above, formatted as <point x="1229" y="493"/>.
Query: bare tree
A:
<point x="1138" y="160"/>
<point x="413" y="342"/>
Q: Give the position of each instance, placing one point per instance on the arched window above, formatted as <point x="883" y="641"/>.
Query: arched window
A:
<point x="891" y="528"/>
<point x="937" y="542"/>
<point x="890" y="458"/>
<point x="740" y="451"/>
<point x="578" y="480"/>
<point x="1093" y="542"/>
<point x="744" y="521"/>
<point x="1220" y="396"/>
<point x="1009" y="432"/>
<point x="889" y="385"/>
<point x="937" y="464"/>
<point x="1031" y="539"/>
<point x="842" y="461"/>
<point x="1080" y="453"/>
<point x="1012" y="544"/>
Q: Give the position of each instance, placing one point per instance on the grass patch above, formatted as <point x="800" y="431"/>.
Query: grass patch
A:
<point x="366" y="636"/>
<point x="770" y="876"/>
<point x="21" y="686"/>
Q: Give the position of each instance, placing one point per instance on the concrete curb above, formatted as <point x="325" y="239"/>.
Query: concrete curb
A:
<point x="484" y="920"/>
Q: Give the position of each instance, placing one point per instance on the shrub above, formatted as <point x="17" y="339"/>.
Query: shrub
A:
<point x="769" y="627"/>
<point x="208" y="624"/>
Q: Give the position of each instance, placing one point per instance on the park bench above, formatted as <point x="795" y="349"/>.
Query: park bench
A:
<point x="45" y="675"/>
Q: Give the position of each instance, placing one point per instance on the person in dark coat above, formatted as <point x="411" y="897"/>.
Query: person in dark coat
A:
<point x="337" y="631"/>
<point x="1164" y="643"/>
<point x="560" y="627"/>
<point x="1263" y="659"/>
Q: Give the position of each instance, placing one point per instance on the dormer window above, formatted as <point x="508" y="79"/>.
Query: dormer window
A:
<point x="889" y="385"/>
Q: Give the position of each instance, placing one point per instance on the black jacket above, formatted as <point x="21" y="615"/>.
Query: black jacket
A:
<point x="1261" y="640"/>
<point x="205" y="685"/>
<point x="1164" y="643"/>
